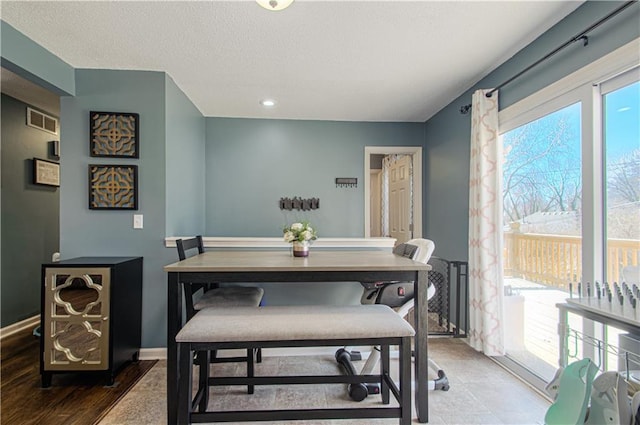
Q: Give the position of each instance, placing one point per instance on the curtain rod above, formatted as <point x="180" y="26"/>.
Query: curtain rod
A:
<point x="580" y="36"/>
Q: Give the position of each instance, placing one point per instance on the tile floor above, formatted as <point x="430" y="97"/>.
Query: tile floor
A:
<point x="481" y="392"/>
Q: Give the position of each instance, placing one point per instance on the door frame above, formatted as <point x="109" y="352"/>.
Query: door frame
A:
<point x="416" y="156"/>
<point x="375" y="183"/>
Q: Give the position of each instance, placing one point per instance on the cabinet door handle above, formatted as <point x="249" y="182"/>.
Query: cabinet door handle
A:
<point x="104" y="319"/>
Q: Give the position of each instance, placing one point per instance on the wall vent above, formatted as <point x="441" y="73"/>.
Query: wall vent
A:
<point x="42" y="121"/>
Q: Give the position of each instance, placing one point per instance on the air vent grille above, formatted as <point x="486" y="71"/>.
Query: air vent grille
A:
<point x="42" y="121"/>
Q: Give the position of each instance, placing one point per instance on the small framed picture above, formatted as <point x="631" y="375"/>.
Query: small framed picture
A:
<point x="114" y="134"/>
<point x="113" y="187"/>
<point x="46" y="172"/>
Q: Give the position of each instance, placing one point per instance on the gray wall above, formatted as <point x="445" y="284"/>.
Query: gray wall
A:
<point x="251" y="164"/>
<point x="448" y="132"/>
<point x="34" y="63"/>
<point x="110" y="233"/>
<point x="30" y="214"/>
<point x="185" y="147"/>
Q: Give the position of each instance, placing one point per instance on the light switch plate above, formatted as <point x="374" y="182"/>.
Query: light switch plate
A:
<point x="137" y="221"/>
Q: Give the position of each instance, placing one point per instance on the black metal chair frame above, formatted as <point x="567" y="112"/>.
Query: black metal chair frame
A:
<point x="203" y="359"/>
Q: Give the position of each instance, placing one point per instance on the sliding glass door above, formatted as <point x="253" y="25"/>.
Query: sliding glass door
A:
<point x="542" y="196"/>
<point x="621" y="137"/>
<point x="622" y="167"/>
<point x="571" y="194"/>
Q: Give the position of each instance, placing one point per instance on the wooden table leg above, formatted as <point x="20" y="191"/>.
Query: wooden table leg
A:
<point x="421" y="361"/>
<point x="174" y="323"/>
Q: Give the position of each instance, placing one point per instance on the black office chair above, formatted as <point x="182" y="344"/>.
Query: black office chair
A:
<point x="199" y="296"/>
<point x="399" y="296"/>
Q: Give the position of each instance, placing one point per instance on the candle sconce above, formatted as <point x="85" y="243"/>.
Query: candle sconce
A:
<point x="298" y="203"/>
<point x="346" y="182"/>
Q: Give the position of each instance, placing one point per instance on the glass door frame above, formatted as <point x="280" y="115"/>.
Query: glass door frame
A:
<point x="585" y="86"/>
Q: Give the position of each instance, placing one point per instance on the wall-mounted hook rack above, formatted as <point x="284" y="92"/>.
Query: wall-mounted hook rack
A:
<point x="297" y="203"/>
<point x="346" y="182"/>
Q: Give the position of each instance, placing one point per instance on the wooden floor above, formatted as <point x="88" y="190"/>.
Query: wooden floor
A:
<point x="72" y="399"/>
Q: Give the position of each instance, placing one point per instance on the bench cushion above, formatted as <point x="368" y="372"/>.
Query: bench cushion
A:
<point x="290" y="323"/>
<point x="230" y="296"/>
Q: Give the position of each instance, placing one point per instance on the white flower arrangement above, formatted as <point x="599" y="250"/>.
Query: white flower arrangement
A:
<point x="299" y="232"/>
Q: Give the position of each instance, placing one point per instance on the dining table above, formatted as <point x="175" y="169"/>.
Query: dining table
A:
<point x="322" y="267"/>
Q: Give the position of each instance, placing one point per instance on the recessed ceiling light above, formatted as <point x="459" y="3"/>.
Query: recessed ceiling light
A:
<point x="268" y="103"/>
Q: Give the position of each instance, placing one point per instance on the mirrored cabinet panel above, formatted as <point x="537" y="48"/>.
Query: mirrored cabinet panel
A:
<point x="91" y="317"/>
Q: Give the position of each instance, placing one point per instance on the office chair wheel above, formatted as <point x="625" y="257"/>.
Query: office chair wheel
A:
<point x="357" y="392"/>
<point x="442" y="383"/>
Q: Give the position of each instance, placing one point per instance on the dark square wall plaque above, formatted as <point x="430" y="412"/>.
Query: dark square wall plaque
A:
<point x="114" y="134"/>
<point x="113" y="187"/>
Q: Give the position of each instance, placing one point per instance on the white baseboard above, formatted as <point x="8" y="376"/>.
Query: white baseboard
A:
<point x="153" y="354"/>
<point x="19" y="326"/>
<point x="161" y="353"/>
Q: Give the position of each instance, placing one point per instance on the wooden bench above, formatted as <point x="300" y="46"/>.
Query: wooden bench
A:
<point x="294" y="326"/>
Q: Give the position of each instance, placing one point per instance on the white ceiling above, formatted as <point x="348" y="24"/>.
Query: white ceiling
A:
<point x="319" y="59"/>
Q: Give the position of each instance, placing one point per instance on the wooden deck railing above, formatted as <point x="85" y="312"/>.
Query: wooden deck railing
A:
<point x="556" y="260"/>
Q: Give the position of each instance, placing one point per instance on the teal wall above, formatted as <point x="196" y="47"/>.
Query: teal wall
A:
<point x="30" y="214"/>
<point x="34" y="63"/>
<point x="447" y="134"/>
<point x="618" y="31"/>
<point x="31" y="61"/>
<point x="252" y="163"/>
<point x="110" y="233"/>
<point x="171" y="138"/>
<point x="184" y="163"/>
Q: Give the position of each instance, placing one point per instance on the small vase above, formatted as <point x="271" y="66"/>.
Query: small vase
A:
<point x="301" y="249"/>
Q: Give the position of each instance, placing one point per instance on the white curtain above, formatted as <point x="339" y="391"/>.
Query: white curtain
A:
<point x="486" y="331"/>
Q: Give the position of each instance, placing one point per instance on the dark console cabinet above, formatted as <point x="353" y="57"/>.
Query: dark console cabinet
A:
<point x="91" y="315"/>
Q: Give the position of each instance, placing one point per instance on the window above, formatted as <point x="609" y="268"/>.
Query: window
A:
<point x="622" y="167"/>
<point x="621" y="138"/>
<point x="542" y="198"/>
<point x="571" y="174"/>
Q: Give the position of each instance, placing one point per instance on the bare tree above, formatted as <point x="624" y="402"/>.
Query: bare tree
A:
<point x="623" y="197"/>
<point x="623" y="178"/>
<point x="541" y="168"/>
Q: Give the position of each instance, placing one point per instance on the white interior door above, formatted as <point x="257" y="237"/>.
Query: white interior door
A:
<point x="415" y="152"/>
<point x="400" y="199"/>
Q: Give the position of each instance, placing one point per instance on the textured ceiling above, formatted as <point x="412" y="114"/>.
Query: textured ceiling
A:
<point x="325" y="60"/>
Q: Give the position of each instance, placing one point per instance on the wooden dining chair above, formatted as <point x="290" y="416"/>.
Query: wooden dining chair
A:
<point x="200" y="296"/>
<point x="212" y="294"/>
